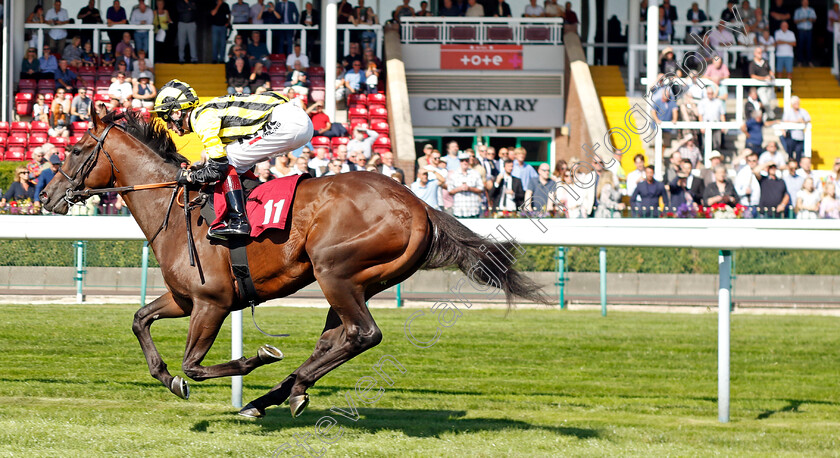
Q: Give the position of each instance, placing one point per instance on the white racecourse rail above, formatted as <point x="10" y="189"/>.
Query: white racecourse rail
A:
<point x="721" y="234"/>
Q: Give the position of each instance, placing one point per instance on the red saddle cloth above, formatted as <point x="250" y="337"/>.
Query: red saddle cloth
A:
<point x="267" y="205"/>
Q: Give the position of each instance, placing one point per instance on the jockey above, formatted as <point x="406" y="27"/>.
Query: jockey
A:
<point x="237" y="130"/>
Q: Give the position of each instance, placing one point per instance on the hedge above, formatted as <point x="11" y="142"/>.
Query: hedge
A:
<point x="536" y="258"/>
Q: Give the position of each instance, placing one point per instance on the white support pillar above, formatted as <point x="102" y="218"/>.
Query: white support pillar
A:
<point x="604" y="37"/>
<point x="632" y="39"/>
<point x="236" y="353"/>
<point x="328" y="49"/>
<point x="707" y="148"/>
<point x="725" y="267"/>
<point x="658" y="157"/>
<point x="652" y="56"/>
<point x="8" y="79"/>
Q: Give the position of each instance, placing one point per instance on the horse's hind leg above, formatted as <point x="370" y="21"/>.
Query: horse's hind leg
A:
<point x="205" y="323"/>
<point x="162" y="307"/>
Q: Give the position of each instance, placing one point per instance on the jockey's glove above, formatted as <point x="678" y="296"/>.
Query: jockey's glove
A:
<point x="214" y="170"/>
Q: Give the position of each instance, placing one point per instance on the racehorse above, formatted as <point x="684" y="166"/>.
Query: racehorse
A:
<point x="356" y="234"/>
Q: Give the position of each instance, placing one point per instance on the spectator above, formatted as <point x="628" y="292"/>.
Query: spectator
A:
<point x="364" y="15"/>
<point x="388" y="168"/>
<point x="720" y="190"/>
<point x="120" y="92"/>
<point x="281" y="166"/>
<point x="340" y="83"/>
<point x="552" y="9"/>
<point x="727" y="15"/>
<point x="333" y="168"/>
<point x="40" y="110"/>
<point x="645" y="198"/>
<point x="580" y="199"/>
<point x="475" y="9"/>
<point x="774" y="197"/>
<point x="778" y="14"/>
<point x="666" y="27"/>
<point x="36" y="164"/>
<point x="57" y="16"/>
<point x="793" y="181"/>
<point x="766" y="42"/>
<point x="59" y="121"/>
<point x="48" y="63"/>
<point x="753" y="129"/>
<point x="667" y="62"/>
<point x="449" y="9"/>
<point x="829" y="205"/>
<point x="359" y="142"/>
<point x="219" y="21"/>
<point x="523" y="171"/>
<point x="673" y="167"/>
<point x="758" y="24"/>
<point x="404" y="10"/>
<point x="30" y="67"/>
<point x="263" y="170"/>
<point x="533" y="10"/>
<point x="717" y="71"/>
<point x="89" y="15"/>
<point x="540" y="196"/>
<point x="35" y="17"/>
<point x="142" y="15"/>
<point x="238" y="78"/>
<point x="108" y="58"/>
<point x="80" y="106"/>
<point x="259" y="81"/>
<point x="355" y="54"/>
<point x="805" y="171"/>
<point x="466" y="188"/>
<point x="795" y="139"/>
<point x="371" y="78"/>
<point x="73" y="52"/>
<point x="46" y="176"/>
<point x="424" y="160"/>
<point x="804" y="18"/>
<point x="746" y="183"/>
<point x="345" y="12"/>
<point x="301" y="166"/>
<point x="125" y="44"/>
<point x="115" y="15"/>
<point x="89" y="58"/>
<point x="297" y="56"/>
<point x="187" y="14"/>
<point x="570" y="19"/>
<point x="608" y="197"/>
<point x="121" y="67"/>
<point x="288" y="13"/>
<point x="424" y="10"/>
<point x="719" y="39"/>
<point x="143" y="92"/>
<point x="320" y="162"/>
<point x="163" y="39"/>
<point x="140" y="66"/>
<point x="688" y="150"/>
<point x="60" y="99"/>
<point x="507" y="192"/>
<point x="695" y="15"/>
<point x="774" y="155"/>
<point x="353" y="78"/>
<point x="257" y="50"/>
<point x="451" y="159"/>
<point x="237" y="49"/>
<point x="487" y="161"/>
<point x="426" y="190"/>
<point x="760" y="70"/>
<point x="321" y="122"/>
<point x="634" y="177"/>
<point x="20" y="189"/>
<point x="712" y="109"/>
<point x="240" y="12"/>
<point x="785" y="41"/>
<point x="664" y="108"/>
<point x="257" y="10"/>
<point x="64" y="77"/>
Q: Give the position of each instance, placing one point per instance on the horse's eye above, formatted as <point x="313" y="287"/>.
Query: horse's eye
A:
<point x="76" y="151"/>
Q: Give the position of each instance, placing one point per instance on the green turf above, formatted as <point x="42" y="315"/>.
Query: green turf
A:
<point x="533" y="383"/>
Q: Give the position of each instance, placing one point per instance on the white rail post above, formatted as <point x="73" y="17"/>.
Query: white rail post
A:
<point x="328" y="51"/>
<point x="236" y="353"/>
<point x="652" y="53"/>
<point x="725" y="267"/>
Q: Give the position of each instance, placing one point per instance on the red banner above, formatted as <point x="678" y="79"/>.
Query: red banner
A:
<point x="481" y="57"/>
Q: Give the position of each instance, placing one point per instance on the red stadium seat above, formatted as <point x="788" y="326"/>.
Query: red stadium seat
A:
<point x="381" y="127"/>
<point x="28" y="84"/>
<point x="4" y="128"/>
<point x="357" y="111"/>
<point x="462" y="32"/>
<point x="376" y="99"/>
<point x="382" y="142"/>
<point x="59" y="142"/>
<point x="30" y="152"/>
<point x="315" y="71"/>
<point x="103" y="81"/>
<point x="37" y="139"/>
<point x="16" y="153"/>
<point x="357" y="99"/>
<point x="105" y="70"/>
<point x="278" y="82"/>
<point x="277" y="58"/>
<point x="102" y="97"/>
<point x="320" y="141"/>
<point x="500" y="33"/>
<point x="39" y="126"/>
<point x="86" y="81"/>
<point x="23" y="103"/>
<point x="20" y="127"/>
<point x="339" y="141"/>
<point x="46" y="84"/>
<point x="80" y="126"/>
<point x="48" y="98"/>
<point x="378" y="113"/>
<point x="373" y="105"/>
<point x="3" y="143"/>
<point x="536" y="33"/>
<point x="277" y="69"/>
<point x="429" y="33"/>
<point x="86" y="71"/>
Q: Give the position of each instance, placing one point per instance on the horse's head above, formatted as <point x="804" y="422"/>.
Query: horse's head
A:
<point x="87" y="166"/>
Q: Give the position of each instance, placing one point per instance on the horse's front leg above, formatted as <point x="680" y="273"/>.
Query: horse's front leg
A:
<point x="205" y="322"/>
<point x="162" y="307"/>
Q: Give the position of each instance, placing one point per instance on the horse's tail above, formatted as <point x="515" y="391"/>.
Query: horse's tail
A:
<point x="485" y="261"/>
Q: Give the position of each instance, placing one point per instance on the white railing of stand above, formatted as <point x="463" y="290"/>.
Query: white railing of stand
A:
<point x="40" y="29"/>
<point x="659" y="160"/>
<point x="679" y="52"/>
<point x="680" y="25"/>
<point x="239" y="28"/>
<point x="443" y="26"/>
<point x="348" y="28"/>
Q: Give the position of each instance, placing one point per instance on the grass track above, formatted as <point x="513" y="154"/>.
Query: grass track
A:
<point x="535" y="383"/>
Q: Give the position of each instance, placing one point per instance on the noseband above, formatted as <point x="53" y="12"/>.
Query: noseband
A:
<point x="74" y="193"/>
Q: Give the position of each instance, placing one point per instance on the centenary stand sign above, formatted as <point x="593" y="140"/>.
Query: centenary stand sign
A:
<point x="520" y="111"/>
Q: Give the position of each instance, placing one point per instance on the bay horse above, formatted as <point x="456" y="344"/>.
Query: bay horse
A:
<point x="356" y="234"/>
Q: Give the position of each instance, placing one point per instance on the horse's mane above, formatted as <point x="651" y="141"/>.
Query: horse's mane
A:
<point x="152" y="134"/>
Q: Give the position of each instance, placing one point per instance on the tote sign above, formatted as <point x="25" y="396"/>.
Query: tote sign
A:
<point x="481" y="57"/>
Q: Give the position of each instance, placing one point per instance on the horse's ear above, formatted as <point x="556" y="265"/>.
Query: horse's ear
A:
<point x="95" y="119"/>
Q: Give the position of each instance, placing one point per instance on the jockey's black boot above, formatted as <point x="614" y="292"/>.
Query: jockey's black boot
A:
<point x="237" y="221"/>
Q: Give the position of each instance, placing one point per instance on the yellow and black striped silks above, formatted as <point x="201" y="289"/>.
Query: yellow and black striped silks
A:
<point x="229" y="118"/>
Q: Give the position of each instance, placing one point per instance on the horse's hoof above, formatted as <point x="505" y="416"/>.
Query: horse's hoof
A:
<point x="269" y="354"/>
<point x="252" y="412"/>
<point x="298" y="403"/>
<point x="180" y="387"/>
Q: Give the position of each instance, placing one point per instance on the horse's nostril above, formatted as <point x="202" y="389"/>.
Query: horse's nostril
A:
<point x="44" y="197"/>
